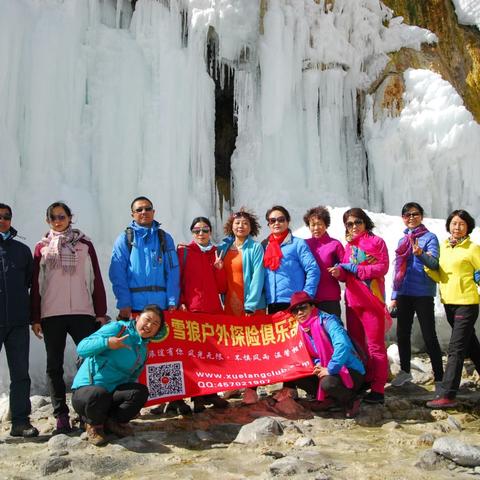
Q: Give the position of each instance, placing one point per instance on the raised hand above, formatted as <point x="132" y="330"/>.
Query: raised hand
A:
<point x="116" y="343"/>
<point x="218" y="260"/>
<point x="416" y="250"/>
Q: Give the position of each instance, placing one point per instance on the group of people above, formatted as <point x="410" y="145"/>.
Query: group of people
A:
<point x="239" y="276"/>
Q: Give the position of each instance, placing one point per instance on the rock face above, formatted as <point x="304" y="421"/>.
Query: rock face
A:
<point x="456" y="57"/>
<point x="461" y="453"/>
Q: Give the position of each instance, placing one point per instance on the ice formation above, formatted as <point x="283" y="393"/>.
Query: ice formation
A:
<point x="99" y="104"/>
<point x="468" y="12"/>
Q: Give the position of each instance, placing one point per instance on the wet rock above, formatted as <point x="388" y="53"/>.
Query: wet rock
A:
<point x="259" y="429"/>
<point x="454" y="423"/>
<point x="304" y="442"/>
<point x="55" y="464"/>
<point x="272" y="453"/>
<point x="38" y="401"/>
<point x="64" y="442"/>
<point x="391" y="426"/>
<point x="459" y="452"/>
<point x="426" y="439"/>
<point x="286" y="466"/>
<point x="429" y="460"/>
<point x="204" y="436"/>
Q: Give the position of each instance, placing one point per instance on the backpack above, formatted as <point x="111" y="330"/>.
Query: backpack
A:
<point x="130" y="237"/>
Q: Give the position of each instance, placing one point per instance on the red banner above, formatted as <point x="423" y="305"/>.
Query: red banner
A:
<point x="203" y="354"/>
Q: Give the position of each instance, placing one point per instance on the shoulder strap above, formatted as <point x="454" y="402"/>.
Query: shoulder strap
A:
<point x="163" y="245"/>
<point x="129" y="238"/>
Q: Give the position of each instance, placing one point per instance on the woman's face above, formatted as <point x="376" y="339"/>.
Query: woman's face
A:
<point x="201" y="233"/>
<point x="277" y="222"/>
<point x="458" y="227"/>
<point x="302" y="312"/>
<point x="412" y="218"/>
<point x="148" y="324"/>
<point x="317" y="227"/>
<point x="59" y="221"/>
<point x="241" y="227"/>
<point x="355" y="226"/>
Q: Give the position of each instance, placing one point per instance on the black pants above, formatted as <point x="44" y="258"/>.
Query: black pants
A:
<point x="332" y="385"/>
<point x="331" y="306"/>
<point x="17" y="346"/>
<point x="463" y="343"/>
<point x="95" y="404"/>
<point x="407" y="306"/>
<point x="276" y="307"/>
<point x="55" y="331"/>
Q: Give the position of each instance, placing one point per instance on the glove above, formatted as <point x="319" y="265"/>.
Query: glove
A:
<point x="476" y="276"/>
<point x="349" y="267"/>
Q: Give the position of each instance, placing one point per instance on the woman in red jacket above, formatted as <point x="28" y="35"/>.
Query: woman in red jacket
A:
<point x="202" y="280"/>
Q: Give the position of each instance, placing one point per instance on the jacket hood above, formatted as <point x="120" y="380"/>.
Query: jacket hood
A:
<point x="138" y="228"/>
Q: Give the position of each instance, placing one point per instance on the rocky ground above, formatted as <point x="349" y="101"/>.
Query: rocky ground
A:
<point x="401" y="440"/>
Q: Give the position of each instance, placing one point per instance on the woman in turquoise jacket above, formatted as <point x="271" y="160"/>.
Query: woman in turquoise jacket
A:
<point x="106" y="393"/>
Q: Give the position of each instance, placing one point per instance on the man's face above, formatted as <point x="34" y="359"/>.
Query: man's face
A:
<point x="5" y="220"/>
<point x="143" y="213"/>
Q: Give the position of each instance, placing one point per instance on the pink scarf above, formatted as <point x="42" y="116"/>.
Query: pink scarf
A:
<point x="320" y="346"/>
<point x="60" y="249"/>
<point x="403" y="251"/>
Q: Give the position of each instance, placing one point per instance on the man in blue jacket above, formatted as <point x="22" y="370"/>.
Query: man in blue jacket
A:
<point x="16" y="264"/>
<point x="144" y="266"/>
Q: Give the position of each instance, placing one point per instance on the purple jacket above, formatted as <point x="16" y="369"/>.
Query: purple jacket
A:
<point x="327" y="252"/>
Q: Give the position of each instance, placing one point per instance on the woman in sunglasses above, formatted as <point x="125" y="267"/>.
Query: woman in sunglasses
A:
<point x="202" y="281"/>
<point x="363" y="270"/>
<point x="243" y="263"/>
<point x="458" y="275"/>
<point x="68" y="296"/>
<point x="289" y="263"/>
<point x="413" y="291"/>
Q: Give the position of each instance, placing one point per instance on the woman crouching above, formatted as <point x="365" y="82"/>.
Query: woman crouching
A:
<point x="338" y="374"/>
<point x="106" y="393"/>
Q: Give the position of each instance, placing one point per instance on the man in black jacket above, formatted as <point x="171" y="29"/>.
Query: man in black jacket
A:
<point x="15" y="278"/>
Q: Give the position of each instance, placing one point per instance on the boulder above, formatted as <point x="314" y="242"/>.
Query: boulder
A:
<point x="461" y="453"/>
<point x="260" y="429"/>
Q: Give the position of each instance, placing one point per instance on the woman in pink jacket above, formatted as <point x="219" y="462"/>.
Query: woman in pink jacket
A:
<point x="68" y="296"/>
<point x="363" y="270"/>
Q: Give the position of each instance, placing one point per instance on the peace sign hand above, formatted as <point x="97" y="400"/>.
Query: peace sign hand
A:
<point x="116" y="343"/>
<point x="218" y="260"/>
<point x="416" y="250"/>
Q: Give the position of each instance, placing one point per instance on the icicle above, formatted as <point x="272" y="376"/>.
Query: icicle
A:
<point x="118" y="17"/>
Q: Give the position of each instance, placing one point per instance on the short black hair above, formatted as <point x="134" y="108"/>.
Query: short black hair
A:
<point x="358" y="213"/>
<point x="280" y="209"/>
<point x="63" y="205"/>
<point x="200" y="219"/>
<point x="4" y="206"/>
<point x="317" y="212"/>
<point x="140" y="198"/>
<point x="408" y="206"/>
<point x="465" y="216"/>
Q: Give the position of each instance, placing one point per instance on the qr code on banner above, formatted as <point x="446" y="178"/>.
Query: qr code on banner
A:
<point x="165" y="379"/>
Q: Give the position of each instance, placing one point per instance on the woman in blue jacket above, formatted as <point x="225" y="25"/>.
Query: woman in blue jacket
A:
<point x="289" y="264"/>
<point x="106" y="393"/>
<point x="414" y="291"/>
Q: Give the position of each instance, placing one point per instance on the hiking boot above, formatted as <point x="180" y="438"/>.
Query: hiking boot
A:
<point x="25" y="430"/>
<point x="119" y="429"/>
<point x="442" y="402"/>
<point x="374" y="398"/>
<point x="95" y="434"/>
<point x="63" y="424"/>
<point x="401" y="379"/>
<point x="178" y="407"/>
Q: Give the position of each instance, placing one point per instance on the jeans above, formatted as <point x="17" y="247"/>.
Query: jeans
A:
<point x="55" y="331"/>
<point x="423" y="306"/>
<point x="17" y="347"/>
<point x="95" y="404"/>
<point x="463" y="343"/>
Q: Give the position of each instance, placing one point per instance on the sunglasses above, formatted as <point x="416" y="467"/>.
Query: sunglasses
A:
<point x="274" y="220"/>
<point x="6" y="217"/>
<point x="356" y="222"/>
<point x="197" y="231"/>
<point x="411" y="215"/>
<point x="57" y="218"/>
<point x="299" y="308"/>
<point x="143" y="209"/>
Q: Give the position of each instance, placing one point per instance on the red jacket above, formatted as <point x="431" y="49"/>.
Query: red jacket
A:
<point x="200" y="282"/>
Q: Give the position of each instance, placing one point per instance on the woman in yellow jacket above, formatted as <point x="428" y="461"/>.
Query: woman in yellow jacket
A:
<point x="459" y="259"/>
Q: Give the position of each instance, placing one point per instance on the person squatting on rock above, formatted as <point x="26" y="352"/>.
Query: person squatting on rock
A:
<point x="338" y="375"/>
<point x="16" y="265"/>
<point x="458" y="266"/>
<point x="106" y="393"/>
<point x="68" y="297"/>
<point x="144" y="268"/>
<point x="414" y="291"/>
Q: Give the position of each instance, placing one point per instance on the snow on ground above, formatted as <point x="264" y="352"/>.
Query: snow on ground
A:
<point x="468" y="12"/>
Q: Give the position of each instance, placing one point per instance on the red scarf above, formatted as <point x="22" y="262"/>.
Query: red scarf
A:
<point x="273" y="253"/>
